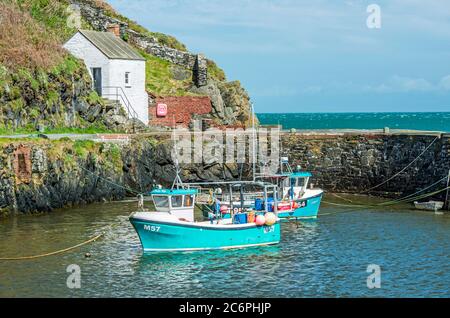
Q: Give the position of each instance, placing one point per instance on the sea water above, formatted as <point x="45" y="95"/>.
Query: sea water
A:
<point x="437" y="121"/>
<point x="327" y="257"/>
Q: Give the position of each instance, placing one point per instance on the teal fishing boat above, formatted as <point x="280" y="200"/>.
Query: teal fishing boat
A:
<point x="171" y="227"/>
<point x="296" y="200"/>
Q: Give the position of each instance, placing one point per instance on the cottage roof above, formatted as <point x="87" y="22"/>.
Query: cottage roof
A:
<point x="111" y="45"/>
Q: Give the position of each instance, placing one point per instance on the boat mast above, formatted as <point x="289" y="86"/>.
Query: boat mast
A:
<point x="254" y="143"/>
<point x="177" y="181"/>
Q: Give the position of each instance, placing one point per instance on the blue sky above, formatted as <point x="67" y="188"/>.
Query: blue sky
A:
<point x="317" y="55"/>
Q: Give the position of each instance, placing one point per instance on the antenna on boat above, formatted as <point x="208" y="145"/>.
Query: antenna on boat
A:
<point x="254" y="143"/>
<point x="177" y="182"/>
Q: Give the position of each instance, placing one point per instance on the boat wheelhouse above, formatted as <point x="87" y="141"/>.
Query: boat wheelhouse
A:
<point x="298" y="200"/>
<point x="179" y="202"/>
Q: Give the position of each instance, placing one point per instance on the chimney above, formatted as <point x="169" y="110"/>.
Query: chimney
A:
<point x="114" y="29"/>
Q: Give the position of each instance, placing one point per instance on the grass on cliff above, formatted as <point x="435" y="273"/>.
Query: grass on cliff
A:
<point x="24" y="42"/>
<point x="160" y="80"/>
<point x="35" y="70"/>
<point x="215" y="71"/>
<point x="164" y="39"/>
<point x="33" y="96"/>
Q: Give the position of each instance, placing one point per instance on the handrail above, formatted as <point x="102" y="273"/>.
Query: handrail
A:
<point x="119" y="92"/>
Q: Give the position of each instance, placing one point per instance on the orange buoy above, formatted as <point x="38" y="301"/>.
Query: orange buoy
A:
<point x="271" y="218"/>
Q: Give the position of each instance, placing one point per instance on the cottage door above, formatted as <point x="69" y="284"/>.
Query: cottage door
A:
<point x="97" y="75"/>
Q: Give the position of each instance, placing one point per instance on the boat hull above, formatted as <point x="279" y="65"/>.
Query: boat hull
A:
<point x="157" y="236"/>
<point x="308" y="209"/>
<point x="429" y="206"/>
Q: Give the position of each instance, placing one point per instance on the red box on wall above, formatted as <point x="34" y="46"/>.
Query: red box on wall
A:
<point x="161" y="110"/>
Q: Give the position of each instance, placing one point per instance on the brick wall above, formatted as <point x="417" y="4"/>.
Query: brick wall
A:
<point x="179" y="109"/>
<point x="22" y="164"/>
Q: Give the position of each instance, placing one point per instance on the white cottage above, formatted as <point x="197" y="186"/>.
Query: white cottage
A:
<point x="117" y="70"/>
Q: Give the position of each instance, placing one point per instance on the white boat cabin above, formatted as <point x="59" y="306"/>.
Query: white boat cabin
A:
<point x="178" y="202"/>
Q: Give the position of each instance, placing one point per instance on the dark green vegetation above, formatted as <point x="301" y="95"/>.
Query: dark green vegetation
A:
<point x="161" y="80"/>
<point x="43" y="88"/>
<point x="41" y="85"/>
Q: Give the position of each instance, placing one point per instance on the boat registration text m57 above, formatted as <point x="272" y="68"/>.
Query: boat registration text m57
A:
<point x="152" y="228"/>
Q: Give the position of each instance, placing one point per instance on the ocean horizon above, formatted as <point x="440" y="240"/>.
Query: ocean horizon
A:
<point x="431" y="121"/>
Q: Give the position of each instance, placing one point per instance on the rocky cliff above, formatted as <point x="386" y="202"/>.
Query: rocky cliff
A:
<point x="42" y="87"/>
<point x="42" y="175"/>
<point x="39" y="175"/>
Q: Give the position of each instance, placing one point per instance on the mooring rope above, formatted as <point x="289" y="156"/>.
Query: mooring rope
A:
<point x="413" y="194"/>
<point x="52" y="253"/>
<point x="389" y="203"/>
<point x="338" y="196"/>
<point x="112" y="182"/>
<point x="409" y="165"/>
<point x="93" y="239"/>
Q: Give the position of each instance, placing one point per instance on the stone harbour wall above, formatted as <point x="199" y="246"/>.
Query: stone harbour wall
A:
<point x="355" y="163"/>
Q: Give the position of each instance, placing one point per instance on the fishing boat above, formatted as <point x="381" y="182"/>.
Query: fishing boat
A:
<point x="430" y="205"/>
<point x="172" y="226"/>
<point x="297" y="200"/>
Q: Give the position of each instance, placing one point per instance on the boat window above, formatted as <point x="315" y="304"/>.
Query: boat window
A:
<point x="300" y="182"/>
<point x="177" y="201"/>
<point x="161" y="201"/>
<point x="188" y="200"/>
<point x="293" y="182"/>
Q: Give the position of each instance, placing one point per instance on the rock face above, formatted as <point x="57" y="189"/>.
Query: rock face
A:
<point x="55" y="99"/>
<point x="40" y="176"/>
<point x="230" y="101"/>
<point x="237" y="101"/>
<point x="43" y="175"/>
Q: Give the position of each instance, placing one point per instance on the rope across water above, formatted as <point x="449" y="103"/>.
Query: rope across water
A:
<point x="93" y="239"/>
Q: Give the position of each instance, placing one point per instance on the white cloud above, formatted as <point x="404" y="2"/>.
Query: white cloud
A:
<point x="275" y="91"/>
<point x="395" y="84"/>
<point x="402" y="84"/>
<point x="445" y="83"/>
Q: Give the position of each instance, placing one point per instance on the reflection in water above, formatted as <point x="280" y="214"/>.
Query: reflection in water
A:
<point x="327" y="257"/>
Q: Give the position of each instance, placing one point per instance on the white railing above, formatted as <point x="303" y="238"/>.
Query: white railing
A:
<point x="117" y="93"/>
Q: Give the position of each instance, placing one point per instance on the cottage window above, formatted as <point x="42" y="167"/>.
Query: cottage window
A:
<point x="127" y="79"/>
